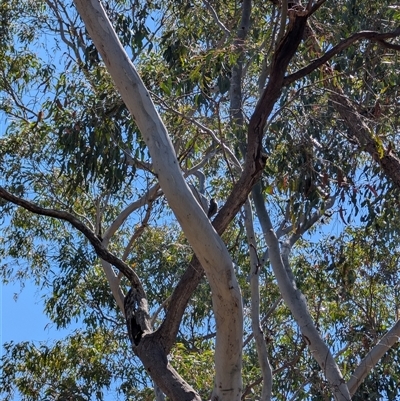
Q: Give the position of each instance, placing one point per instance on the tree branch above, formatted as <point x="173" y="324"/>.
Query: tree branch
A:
<point x="138" y="232"/>
<point x="252" y="170"/>
<point x="316" y="6"/>
<point x="216" y="18"/>
<point x="262" y="353"/>
<point x="206" y="243"/>
<point x="303" y="227"/>
<point x="373" y="357"/>
<point x="149" y="348"/>
<point x="149" y="196"/>
<point x="370" y="35"/>
<point x="235" y="90"/>
<point x="99" y="248"/>
<point x="264" y="319"/>
<point x="282" y="23"/>
<point x="296" y="302"/>
<point x="388" y="45"/>
<point x="283" y="54"/>
<point x="253" y="167"/>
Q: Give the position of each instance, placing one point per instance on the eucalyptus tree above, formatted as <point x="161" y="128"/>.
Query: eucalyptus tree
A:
<point x="126" y="121"/>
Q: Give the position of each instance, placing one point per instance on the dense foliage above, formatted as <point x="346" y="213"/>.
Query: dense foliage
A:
<point x="70" y="144"/>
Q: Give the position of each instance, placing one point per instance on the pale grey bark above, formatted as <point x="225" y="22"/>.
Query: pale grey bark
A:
<point x="112" y="278"/>
<point x="373" y="357"/>
<point x="206" y="243"/>
<point x="216" y="18"/>
<point x="262" y="354"/>
<point x="297" y="304"/>
<point x="201" y="199"/>
<point x="282" y="25"/>
<point x="150" y="195"/>
<point x="113" y="282"/>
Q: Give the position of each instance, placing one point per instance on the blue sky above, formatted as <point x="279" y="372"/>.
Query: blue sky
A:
<point x="23" y="308"/>
<point x="23" y="319"/>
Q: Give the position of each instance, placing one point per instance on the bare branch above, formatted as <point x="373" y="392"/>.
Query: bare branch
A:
<point x="164" y="305"/>
<point x="300" y="388"/>
<point x="61" y="22"/>
<point x="114" y="281"/>
<point x="264" y="319"/>
<point x="285" y="51"/>
<point x="282" y="24"/>
<point x="209" y="247"/>
<point x="388" y="45"/>
<point x="235" y="91"/>
<point x="287" y="364"/>
<point x="265" y="67"/>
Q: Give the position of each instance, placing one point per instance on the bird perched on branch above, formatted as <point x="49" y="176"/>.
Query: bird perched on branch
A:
<point x="134" y="330"/>
<point x="213" y="208"/>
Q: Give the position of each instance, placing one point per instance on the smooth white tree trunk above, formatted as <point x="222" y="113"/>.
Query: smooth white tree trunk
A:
<point x="206" y="243"/>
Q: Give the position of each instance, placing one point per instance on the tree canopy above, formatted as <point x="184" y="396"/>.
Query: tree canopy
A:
<point x="211" y="188"/>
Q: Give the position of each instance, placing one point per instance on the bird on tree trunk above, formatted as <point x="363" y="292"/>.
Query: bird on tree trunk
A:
<point x="213" y="208"/>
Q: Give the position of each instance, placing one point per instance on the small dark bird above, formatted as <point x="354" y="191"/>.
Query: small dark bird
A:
<point x="213" y="208"/>
<point x="134" y="330"/>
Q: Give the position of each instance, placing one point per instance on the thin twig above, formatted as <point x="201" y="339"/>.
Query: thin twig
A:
<point x="216" y="18"/>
